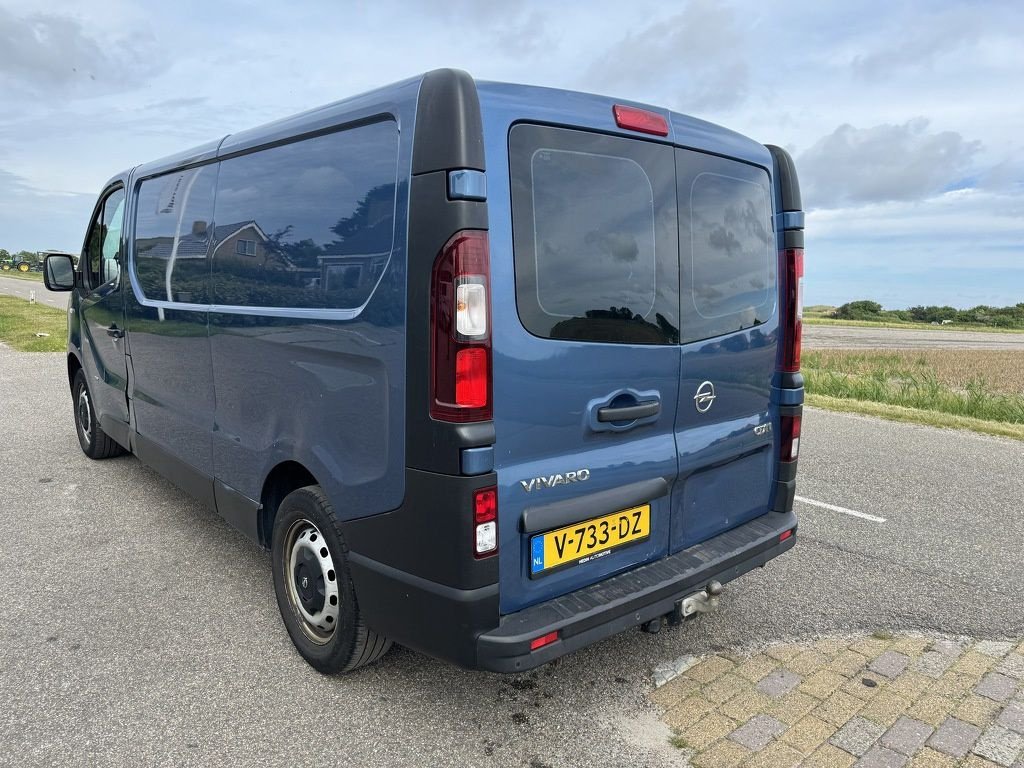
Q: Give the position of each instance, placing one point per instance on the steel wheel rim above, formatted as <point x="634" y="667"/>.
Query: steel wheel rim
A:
<point x="84" y="414"/>
<point x="311" y="581"/>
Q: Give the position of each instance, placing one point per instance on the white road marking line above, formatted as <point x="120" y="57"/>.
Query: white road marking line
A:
<point x="842" y="510"/>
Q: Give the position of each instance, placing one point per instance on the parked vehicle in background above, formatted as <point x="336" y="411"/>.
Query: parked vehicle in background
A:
<point x="494" y="371"/>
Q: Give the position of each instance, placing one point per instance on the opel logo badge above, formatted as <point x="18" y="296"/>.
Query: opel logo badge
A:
<point x="705" y="397"/>
<point x="305" y="582"/>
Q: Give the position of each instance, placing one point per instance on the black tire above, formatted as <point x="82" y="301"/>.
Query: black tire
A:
<point x="96" y="444"/>
<point x="330" y="645"/>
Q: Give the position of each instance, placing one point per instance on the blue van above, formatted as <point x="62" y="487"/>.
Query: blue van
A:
<point x="493" y="371"/>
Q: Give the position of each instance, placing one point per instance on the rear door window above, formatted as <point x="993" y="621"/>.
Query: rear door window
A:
<point x="727" y="245"/>
<point x="596" y="242"/>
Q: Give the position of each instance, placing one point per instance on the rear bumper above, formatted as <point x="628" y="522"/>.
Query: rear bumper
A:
<point x="631" y="598"/>
<point x="462" y="625"/>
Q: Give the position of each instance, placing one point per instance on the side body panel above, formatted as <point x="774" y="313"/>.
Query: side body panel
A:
<point x="318" y="386"/>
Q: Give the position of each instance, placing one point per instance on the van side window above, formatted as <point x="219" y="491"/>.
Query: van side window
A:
<point x="595" y="236"/>
<point x="727" y="245"/>
<point x="307" y="224"/>
<point x="103" y="248"/>
<point x="172" y="235"/>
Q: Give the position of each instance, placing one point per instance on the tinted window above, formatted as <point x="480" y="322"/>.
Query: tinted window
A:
<point x="727" y="245"/>
<point x="172" y="235"/>
<point x="308" y="224"/>
<point x="103" y="247"/>
<point x="595" y="236"/>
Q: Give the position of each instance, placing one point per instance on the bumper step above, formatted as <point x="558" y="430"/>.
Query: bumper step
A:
<point x="631" y="598"/>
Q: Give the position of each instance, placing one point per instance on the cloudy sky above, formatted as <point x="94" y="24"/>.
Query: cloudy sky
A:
<point x="905" y="118"/>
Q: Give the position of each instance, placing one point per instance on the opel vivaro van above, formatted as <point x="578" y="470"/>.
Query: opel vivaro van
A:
<point x="493" y="371"/>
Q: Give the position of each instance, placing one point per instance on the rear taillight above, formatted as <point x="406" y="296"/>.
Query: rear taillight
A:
<point x="789" y="445"/>
<point x="460" y="330"/>
<point x="485" y="521"/>
<point x="793" y="268"/>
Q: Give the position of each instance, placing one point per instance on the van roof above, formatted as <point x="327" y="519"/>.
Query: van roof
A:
<point x="574" y="107"/>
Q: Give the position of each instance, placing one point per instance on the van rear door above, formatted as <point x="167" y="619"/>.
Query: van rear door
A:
<point x="586" y="358"/>
<point x="725" y="424"/>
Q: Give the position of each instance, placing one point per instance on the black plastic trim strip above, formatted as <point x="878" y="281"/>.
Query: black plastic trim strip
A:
<point x="786" y="179"/>
<point x="192" y="481"/>
<point x="785" y="494"/>
<point x="792" y="238"/>
<point x="449" y="129"/>
<point x="240" y="512"/>
<point x="548" y="516"/>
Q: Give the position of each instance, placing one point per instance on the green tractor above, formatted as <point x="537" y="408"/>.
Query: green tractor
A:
<point x="15" y="263"/>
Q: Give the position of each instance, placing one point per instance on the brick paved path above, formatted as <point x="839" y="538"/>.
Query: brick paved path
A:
<point x="869" y="702"/>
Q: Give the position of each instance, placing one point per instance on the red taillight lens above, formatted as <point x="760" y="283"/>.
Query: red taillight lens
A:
<point x="485" y="522"/>
<point x="540" y="642"/>
<point x="471" y="377"/>
<point x="460" y="339"/>
<point x="789" y="445"/>
<point x="485" y="505"/>
<point x="793" y="268"/>
<point x="633" y="119"/>
<point x="785" y="535"/>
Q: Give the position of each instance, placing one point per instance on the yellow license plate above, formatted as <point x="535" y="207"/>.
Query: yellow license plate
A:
<point x="589" y="540"/>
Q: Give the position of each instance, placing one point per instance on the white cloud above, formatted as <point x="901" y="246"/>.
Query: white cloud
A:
<point x="695" y="60"/>
<point x="884" y="162"/>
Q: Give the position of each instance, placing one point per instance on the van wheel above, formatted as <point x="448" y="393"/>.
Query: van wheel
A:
<point x="96" y="444"/>
<point x="314" y="588"/>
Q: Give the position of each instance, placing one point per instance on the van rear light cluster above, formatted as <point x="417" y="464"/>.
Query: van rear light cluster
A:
<point x="789" y="446"/>
<point x="793" y="268"/>
<point x="485" y="520"/>
<point x="460" y="330"/>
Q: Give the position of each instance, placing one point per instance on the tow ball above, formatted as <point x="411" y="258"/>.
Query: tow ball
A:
<point x="704" y="601"/>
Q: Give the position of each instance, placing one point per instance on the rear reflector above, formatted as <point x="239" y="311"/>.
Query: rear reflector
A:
<point x="785" y="535"/>
<point x="540" y="642"/>
<point x="485" y="521"/>
<point x="789" y="445"/>
<point x="633" y="119"/>
<point x="793" y="268"/>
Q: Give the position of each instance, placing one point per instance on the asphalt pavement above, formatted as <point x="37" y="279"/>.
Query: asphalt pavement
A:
<point x="864" y="337"/>
<point x="138" y="629"/>
<point x="14" y="286"/>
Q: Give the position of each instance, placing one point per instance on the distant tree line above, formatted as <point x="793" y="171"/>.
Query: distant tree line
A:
<point x="999" y="317"/>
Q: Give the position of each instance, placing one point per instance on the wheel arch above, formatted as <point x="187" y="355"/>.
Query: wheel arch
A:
<point x="74" y="366"/>
<point x="284" y="478"/>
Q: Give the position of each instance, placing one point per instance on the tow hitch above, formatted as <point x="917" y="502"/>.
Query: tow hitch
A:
<point x="704" y="601"/>
<point x="699" y="602"/>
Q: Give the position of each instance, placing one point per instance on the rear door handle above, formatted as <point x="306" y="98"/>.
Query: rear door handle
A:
<point x="115" y="332"/>
<point x="629" y="412"/>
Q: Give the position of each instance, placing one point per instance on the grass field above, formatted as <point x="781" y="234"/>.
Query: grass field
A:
<point x="981" y="390"/>
<point x="820" y="320"/>
<point x="21" y="321"/>
<point x="36" y="277"/>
